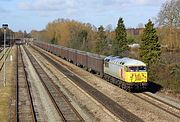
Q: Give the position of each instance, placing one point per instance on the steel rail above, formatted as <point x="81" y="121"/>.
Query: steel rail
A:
<point x="157" y="105"/>
<point x="22" y="76"/>
<point x="9" y="50"/>
<point x="61" y="103"/>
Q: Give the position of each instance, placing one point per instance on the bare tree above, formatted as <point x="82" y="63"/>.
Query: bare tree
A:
<point x="169" y="21"/>
<point x="169" y="14"/>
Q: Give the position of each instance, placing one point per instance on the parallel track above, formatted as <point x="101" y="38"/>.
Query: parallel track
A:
<point x="3" y="53"/>
<point x="2" y="57"/>
<point x="24" y="104"/>
<point x="173" y="110"/>
<point x="108" y="103"/>
<point x="63" y="106"/>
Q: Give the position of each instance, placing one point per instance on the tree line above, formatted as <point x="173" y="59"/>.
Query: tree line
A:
<point x="85" y="37"/>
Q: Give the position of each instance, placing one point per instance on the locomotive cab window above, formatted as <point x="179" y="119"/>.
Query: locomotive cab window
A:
<point x="132" y="69"/>
<point x="136" y="68"/>
<point x="107" y="60"/>
<point x="142" y="69"/>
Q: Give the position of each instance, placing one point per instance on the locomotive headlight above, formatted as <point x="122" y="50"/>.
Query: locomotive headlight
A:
<point x="144" y="76"/>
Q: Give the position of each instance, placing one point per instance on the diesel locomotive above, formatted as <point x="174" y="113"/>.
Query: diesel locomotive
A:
<point x="124" y="72"/>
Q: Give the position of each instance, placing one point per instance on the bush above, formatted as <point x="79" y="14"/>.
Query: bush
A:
<point x="167" y="72"/>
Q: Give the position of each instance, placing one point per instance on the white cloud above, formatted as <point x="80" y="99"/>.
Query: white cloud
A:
<point x="49" y="4"/>
<point x="83" y="7"/>
<point x="41" y="5"/>
<point x="51" y="7"/>
<point x="77" y="4"/>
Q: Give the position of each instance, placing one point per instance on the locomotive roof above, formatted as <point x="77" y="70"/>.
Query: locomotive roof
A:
<point x="125" y="61"/>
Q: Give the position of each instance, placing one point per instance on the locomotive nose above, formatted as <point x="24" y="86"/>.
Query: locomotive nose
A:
<point x="138" y="77"/>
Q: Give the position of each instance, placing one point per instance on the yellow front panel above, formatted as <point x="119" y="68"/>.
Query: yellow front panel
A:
<point x="135" y="77"/>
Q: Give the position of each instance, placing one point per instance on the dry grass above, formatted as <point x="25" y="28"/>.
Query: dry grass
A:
<point x="5" y="93"/>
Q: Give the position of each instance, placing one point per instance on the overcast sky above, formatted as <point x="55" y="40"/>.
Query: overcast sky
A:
<point x="35" y="14"/>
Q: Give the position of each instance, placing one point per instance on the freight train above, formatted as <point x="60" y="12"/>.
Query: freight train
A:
<point x="124" y="72"/>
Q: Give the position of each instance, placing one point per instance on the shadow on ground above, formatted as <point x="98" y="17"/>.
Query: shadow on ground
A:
<point x="152" y="87"/>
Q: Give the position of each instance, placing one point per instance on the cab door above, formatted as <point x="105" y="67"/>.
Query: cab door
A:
<point x="121" y="72"/>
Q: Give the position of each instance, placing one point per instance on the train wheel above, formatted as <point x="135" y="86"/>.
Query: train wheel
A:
<point x="108" y="79"/>
<point x="128" y="88"/>
<point x="112" y="80"/>
<point x="117" y="82"/>
<point x="123" y="86"/>
<point x="102" y="75"/>
<point x="120" y="84"/>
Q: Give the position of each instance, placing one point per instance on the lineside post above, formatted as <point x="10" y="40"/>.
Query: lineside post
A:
<point x="5" y="26"/>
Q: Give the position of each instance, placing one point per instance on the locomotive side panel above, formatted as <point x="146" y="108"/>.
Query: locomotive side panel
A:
<point x="114" y="70"/>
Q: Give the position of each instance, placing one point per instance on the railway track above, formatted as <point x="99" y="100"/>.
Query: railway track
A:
<point x="2" y="53"/>
<point x="167" y="107"/>
<point x="2" y="56"/>
<point x="108" y="103"/>
<point x="61" y="103"/>
<point x="24" y="103"/>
